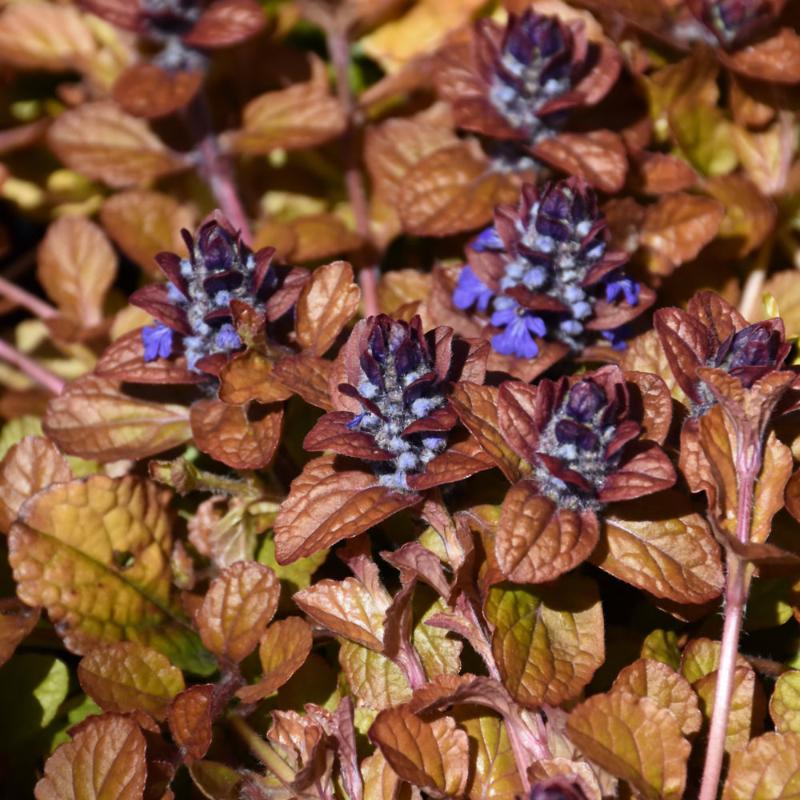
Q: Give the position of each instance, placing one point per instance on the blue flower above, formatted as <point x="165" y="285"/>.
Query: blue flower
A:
<point x="617" y="337"/>
<point x="157" y="341"/>
<point x="623" y="286"/>
<point x="471" y="291"/>
<point x="520" y="327"/>
<point x="487" y="239"/>
<point x="227" y="338"/>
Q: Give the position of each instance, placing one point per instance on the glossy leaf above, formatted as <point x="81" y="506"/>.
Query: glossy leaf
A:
<point x="190" y="718"/>
<point x="237" y="608"/>
<point x="767" y="769"/>
<point x="16" y="622"/>
<point x="104" y="761"/>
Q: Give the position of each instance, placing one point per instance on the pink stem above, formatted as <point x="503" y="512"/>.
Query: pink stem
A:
<point x="16" y="294"/>
<point x="31" y="368"/>
<point x="735" y="601"/>
<point x="339" y="49"/>
<point x="216" y="168"/>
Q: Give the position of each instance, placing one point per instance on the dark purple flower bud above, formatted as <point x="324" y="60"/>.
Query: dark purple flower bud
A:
<point x="734" y="22"/>
<point x="751" y="352"/>
<point x="570" y="432"/>
<point x="584" y="400"/>
<point x="535" y="67"/>
<point x="157" y="340"/>
<point x="557" y="789"/>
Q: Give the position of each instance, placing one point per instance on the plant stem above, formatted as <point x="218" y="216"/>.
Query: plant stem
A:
<point x="21" y="297"/>
<point x="262" y="750"/>
<point x="339" y="50"/>
<point x="735" y="601"/>
<point x="35" y="371"/>
<point x="216" y="167"/>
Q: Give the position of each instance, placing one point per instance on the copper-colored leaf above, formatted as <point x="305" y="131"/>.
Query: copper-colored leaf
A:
<point x="676" y="558"/>
<point x="95" y="553"/>
<point x="431" y="755"/>
<point x="320" y="236"/>
<point x="307" y="376"/>
<point x="326" y="505"/>
<point x="147" y="90"/>
<point x="634" y="739"/>
<point x="349" y="608"/>
<point x="249" y="376"/>
<point x="536" y="541"/>
<point x="284" y="648"/>
<point x="767" y="769"/>
<point x="102" y="142"/>
<point x="449" y="191"/>
<point x="598" y="156"/>
<point x="105" y="760"/>
<point x="243" y="437"/>
<point x="16" y="621"/>
<point x="144" y="223"/>
<point x="127" y="677"/>
<point x="190" y="718"/>
<point x="301" y="116"/>
<point x="30" y="465"/>
<point x="40" y="35"/>
<point x="93" y="419"/>
<point x="774" y="59"/>
<point x="646" y="678"/>
<point x="326" y="304"/>
<point x="226" y="22"/>
<point x="77" y="265"/>
<point x="477" y="407"/>
<point x="548" y="640"/>
<point x="677" y="228"/>
<point x="237" y="608"/>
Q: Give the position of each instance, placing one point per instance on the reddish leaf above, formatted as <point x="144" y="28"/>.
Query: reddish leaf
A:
<point x="458" y="461"/>
<point x="16" y="621"/>
<point x="307" y="376"/>
<point x="284" y="648"/>
<point x="326" y="304"/>
<point x="661" y="173"/>
<point x="190" y="718"/>
<point x="146" y="90"/>
<point x="326" y="505"/>
<point x="243" y="437"/>
<point x="599" y="157"/>
<point x="774" y="59"/>
<point x="536" y="541"/>
<point x="236" y="610"/>
<point x="30" y="465"/>
<point x="225" y="23"/>
<point x="649" y="470"/>
<point x="105" y="760"/>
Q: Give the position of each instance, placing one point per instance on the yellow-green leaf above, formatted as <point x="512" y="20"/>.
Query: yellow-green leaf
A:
<point x="784" y="705"/>
<point x="767" y="769"/>
<point x="95" y="553"/>
<point x="128" y="677"/>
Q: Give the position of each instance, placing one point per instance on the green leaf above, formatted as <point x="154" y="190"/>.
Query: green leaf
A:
<point x="784" y="705"/>
<point x="661" y="645"/>
<point x="32" y="689"/>
<point x="77" y="710"/>
<point x="548" y="640"/>
<point x="16" y="430"/>
<point x="95" y="553"/>
<point x="376" y="681"/>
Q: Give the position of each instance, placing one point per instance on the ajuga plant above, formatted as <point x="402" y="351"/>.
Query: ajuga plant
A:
<point x="399" y="399"/>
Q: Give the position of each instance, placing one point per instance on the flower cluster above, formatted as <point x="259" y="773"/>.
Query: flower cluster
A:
<point x="395" y="408"/>
<point x="711" y="333"/>
<point x="734" y="22"/>
<point x="586" y="445"/>
<point x="544" y="269"/>
<point x="195" y="310"/>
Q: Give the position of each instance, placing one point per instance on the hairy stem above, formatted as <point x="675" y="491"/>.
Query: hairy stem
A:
<point x="339" y="50"/>
<point x="21" y="297"/>
<point x="216" y="167"/>
<point x="735" y="601"/>
<point x="262" y="750"/>
<point x="35" y="371"/>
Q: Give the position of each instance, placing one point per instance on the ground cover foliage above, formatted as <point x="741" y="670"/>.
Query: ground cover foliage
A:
<point x="400" y="399"/>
